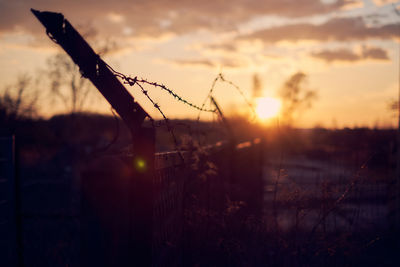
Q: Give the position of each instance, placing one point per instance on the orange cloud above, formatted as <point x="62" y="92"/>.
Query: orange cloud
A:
<point x="384" y="2"/>
<point x="209" y="63"/>
<point x="338" y="29"/>
<point x="351" y="56"/>
<point x="160" y="16"/>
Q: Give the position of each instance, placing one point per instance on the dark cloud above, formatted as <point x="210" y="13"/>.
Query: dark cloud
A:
<point x="338" y="29"/>
<point x="336" y="55"/>
<point x="350" y="56"/>
<point x="159" y="16"/>
<point x="375" y="53"/>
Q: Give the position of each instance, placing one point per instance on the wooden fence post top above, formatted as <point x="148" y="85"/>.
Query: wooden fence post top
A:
<point x="93" y="67"/>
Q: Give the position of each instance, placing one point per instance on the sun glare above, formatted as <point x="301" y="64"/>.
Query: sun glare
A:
<point x="267" y="107"/>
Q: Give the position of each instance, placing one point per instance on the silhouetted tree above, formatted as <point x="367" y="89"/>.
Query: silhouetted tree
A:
<point x="393" y="106"/>
<point x="19" y="100"/>
<point x="296" y="97"/>
<point x="257" y="86"/>
<point x="66" y="81"/>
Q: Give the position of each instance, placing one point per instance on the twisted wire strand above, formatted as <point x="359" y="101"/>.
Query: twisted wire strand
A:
<point x="132" y="81"/>
<point x="208" y="96"/>
<point x="222" y="78"/>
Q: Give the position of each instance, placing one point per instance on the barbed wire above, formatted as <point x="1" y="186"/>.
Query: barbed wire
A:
<point x="135" y="80"/>
<point x="132" y="81"/>
<point x="240" y="92"/>
<point x="208" y="95"/>
<point x="222" y="79"/>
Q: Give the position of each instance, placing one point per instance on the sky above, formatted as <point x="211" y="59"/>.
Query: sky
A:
<point x="349" y="50"/>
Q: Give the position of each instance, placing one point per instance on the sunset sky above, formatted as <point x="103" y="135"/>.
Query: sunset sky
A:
<point x="349" y="50"/>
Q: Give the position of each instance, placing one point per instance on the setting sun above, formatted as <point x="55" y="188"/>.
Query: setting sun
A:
<point x="267" y="107"/>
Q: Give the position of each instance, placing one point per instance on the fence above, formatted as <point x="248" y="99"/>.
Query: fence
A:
<point x="191" y="204"/>
<point x="201" y="184"/>
<point x="118" y="194"/>
<point x="64" y="223"/>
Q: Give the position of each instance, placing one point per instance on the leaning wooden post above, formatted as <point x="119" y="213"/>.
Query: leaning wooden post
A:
<point x="140" y="203"/>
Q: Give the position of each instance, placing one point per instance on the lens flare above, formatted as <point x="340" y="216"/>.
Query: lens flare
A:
<point x="140" y="164"/>
<point x="267" y="107"/>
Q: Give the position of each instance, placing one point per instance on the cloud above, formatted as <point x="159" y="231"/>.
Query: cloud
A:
<point x="336" y="55"/>
<point x="384" y="2"/>
<point x="375" y="53"/>
<point x="337" y="29"/>
<point x="115" y="18"/>
<point x="159" y="16"/>
<point x="347" y="55"/>
<point x="193" y="62"/>
<point x="209" y="63"/>
<point x="221" y="47"/>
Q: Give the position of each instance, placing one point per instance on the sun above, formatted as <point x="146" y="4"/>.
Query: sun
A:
<point x="267" y="107"/>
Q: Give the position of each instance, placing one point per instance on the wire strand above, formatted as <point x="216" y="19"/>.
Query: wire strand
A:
<point x="132" y="81"/>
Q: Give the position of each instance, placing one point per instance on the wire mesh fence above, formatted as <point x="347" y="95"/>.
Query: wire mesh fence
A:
<point x="193" y="198"/>
<point x="86" y="218"/>
<point x="221" y="200"/>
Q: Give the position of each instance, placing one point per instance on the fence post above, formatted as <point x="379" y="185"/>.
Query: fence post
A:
<point x="139" y="202"/>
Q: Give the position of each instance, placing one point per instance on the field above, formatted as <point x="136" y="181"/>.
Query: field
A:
<point x="326" y="195"/>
